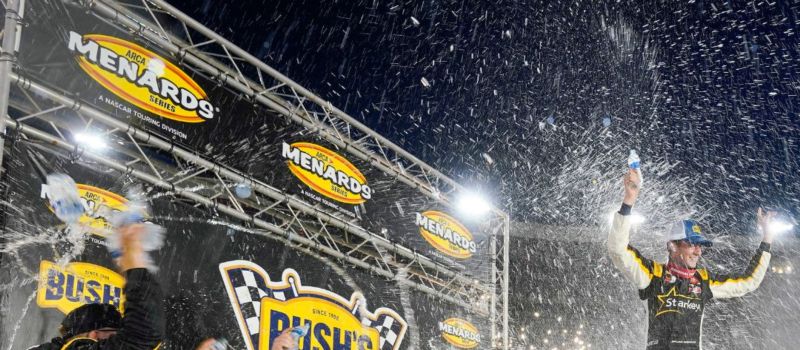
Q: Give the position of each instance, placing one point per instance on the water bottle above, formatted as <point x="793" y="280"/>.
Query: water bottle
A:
<point x="62" y="192"/>
<point x="299" y="332"/>
<point x="635" y="164"/>
<point x="220" y="344"/>
<point x="153" y="237"/>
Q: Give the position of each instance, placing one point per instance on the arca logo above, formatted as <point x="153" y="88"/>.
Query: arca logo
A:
<point x="66" y="288"/>
<point x="98" y="205"/>
<point x="460" y="333"/>
<point x="328" y="173"/>
<point x="141" y="77"/>
<point x="446" y="234"/>
<point x="264" y="308"/>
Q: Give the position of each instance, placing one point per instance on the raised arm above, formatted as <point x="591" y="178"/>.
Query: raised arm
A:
<point x="143" y="323"/>
<point x="625" y="258"/>
<point x="736" y="285"/>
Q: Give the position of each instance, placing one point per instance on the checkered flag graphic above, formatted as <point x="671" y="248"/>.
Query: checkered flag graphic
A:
<point x="249" y="288"/>
<point x="389" y="330"/>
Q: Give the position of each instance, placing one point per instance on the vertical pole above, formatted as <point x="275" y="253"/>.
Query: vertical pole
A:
<point x="7" y="58"/>
<point x="493" y="306"/>
<point x="506" y="253"/>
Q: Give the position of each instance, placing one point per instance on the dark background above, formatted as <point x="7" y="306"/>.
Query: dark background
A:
<point x="536" y="103"/>
<point x="706" y="91"/>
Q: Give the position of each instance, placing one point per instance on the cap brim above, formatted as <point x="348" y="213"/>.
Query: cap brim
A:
<point x="699" y="240"/>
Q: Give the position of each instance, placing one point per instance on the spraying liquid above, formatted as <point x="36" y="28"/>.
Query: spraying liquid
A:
<point x="635" y="164"/>
<point x="153" y="236"/>
<point x="62" y="192"/>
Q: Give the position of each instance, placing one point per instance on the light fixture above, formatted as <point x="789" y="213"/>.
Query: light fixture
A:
<point x="90" y="141"/>
<point x="473" y="205"/>
<point x="778" y="227"/>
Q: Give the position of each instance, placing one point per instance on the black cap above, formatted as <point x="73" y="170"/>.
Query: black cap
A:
<point x="91" y="317"/>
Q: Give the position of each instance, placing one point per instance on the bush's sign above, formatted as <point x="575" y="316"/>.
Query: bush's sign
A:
<point x="446" y="234"/>
<point x="264" y="308"/>
<point x="141" y="77"/>
<point x="68" y="287"/>
<point x="460" y="333"/>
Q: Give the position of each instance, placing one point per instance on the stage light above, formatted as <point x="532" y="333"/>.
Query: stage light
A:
<point x="473" y="204"/>
<point x="90" y="142"/>
<point x="778" y="227"/>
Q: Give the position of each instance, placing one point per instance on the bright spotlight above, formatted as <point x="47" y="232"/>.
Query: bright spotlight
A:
<point x="778" y="227"/>
<point x="90" y="141"/>
<point x="473" y="204"/>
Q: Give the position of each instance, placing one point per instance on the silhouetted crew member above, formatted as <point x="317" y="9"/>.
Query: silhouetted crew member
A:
<point x="100" y="326"/>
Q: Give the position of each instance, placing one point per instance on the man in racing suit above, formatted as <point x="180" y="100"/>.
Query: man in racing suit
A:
<point x="676" y="292"/>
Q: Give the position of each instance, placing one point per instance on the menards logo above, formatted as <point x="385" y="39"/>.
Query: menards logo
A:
<point x="141" y="77"/>
<point x="98" y="206"/>
<point x="460" y="333"/>
<point x="446" y="234"/>
<point x="328" y="173"/>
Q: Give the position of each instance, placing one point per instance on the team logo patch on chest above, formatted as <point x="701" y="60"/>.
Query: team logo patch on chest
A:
<point x="672" y="301"/>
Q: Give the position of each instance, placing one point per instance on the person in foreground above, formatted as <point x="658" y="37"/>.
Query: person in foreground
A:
<point x="676" y="292"/>
<point x="100" y="326"/>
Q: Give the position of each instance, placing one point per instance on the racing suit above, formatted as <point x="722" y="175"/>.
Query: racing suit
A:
<point x="142" y="325"/>
<point x="675" y="301"/>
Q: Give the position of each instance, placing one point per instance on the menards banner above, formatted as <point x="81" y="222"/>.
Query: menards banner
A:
<point x="433" y="230"/>
<point x="130" y="79"/>
<point x="67" y="48"/>
<point x="218" y="279"/>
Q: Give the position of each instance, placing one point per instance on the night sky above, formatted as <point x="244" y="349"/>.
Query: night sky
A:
<point x="538" y="103"/>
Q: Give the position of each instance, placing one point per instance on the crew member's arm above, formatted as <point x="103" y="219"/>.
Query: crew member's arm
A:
<point x="636" y="268"/>
<point x="736" y="285"/>
<point x="143" y="323"/>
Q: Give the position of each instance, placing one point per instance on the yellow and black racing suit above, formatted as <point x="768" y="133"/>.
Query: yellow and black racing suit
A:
<point x="674" y="303"/>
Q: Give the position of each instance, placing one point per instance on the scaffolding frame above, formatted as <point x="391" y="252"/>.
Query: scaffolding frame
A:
<point x="273" y="213"/>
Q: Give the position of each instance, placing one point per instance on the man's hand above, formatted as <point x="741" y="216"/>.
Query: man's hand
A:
<point x="131" y="242"/>
<point x="764" y="218"/>
<point x="632" y="184"/>
<point x="284" y="341"/>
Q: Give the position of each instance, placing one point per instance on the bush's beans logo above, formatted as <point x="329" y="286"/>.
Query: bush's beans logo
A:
<point x="66" y="288"/>
<point x="328" y="173"/>
<point x="265" y="308"/>
<point x="98" y="205"/>
<point x="141" y="77"/>
<point x="446" y="234"/>
<point x="460" y="333"/>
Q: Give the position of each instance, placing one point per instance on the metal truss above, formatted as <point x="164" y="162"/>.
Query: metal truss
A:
<point x="209" y="184"/>
<point x="269" y="211"/>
